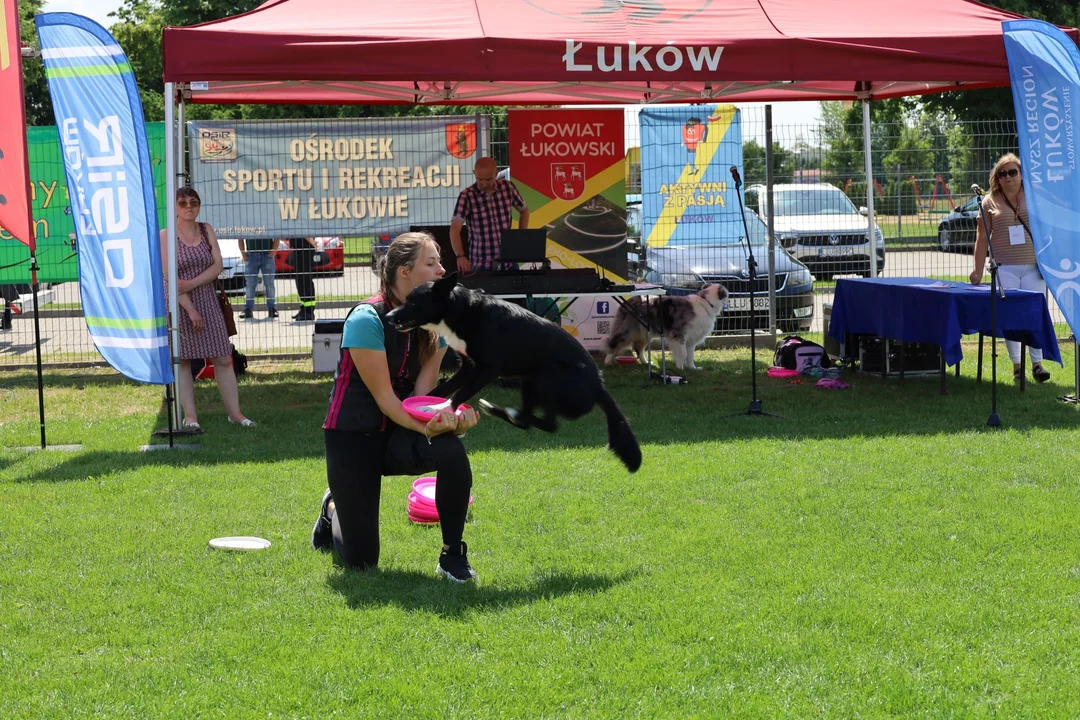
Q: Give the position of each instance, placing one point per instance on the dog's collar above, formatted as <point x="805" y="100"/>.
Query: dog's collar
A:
<point x="711" y="306"/>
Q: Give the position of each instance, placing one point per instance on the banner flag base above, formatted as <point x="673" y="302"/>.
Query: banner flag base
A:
<point x="174" y="446"/>
<point x="62" y="448"/>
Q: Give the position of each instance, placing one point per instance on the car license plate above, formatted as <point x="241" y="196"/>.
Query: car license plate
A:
<point x="743" y="303"/>
<point x="835" y="252"/>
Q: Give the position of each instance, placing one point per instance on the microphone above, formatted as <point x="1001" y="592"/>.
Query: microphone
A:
<point x="976" y="189"/>
<point x="735" y="176"/>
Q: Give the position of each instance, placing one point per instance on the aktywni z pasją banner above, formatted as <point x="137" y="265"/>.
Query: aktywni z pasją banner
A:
<point x="99" y="119"/>
<point x="687" y="197"/>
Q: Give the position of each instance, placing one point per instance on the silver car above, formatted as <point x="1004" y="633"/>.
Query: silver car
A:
<point x="820" y="227"/>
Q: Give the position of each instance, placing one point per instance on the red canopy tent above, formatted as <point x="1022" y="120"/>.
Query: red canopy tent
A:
<point x="561" y="52"/>
<point x="587" y="51"/>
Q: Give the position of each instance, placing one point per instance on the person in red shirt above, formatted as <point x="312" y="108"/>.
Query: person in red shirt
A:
<point x="694" y="133"/>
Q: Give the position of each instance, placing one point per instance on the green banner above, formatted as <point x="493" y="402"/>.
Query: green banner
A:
<point x="54" y="229"/>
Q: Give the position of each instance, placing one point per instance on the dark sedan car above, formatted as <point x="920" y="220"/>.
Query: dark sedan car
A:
<point x="956" y="231"/>
<point x="686" y="268"/>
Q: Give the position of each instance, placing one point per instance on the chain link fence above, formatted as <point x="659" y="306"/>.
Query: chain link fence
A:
<point x="922" y="204"/>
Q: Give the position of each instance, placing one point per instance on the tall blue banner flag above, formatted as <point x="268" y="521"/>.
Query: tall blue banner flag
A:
<point x="1044" y="69"/>
<point x="99" y="119"/>
<point x="687" y="195"/>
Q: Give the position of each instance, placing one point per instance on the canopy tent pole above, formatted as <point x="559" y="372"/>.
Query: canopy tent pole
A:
<point x="772" y="239"/>
<point x="171" y="167"/>
<point x="868" y="164"/>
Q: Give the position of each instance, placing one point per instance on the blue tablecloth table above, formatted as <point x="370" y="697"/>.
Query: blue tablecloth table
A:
<point x="923" y="310"/>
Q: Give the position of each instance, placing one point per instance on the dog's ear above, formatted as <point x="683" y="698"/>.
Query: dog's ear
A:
<point x="445" y="284"/>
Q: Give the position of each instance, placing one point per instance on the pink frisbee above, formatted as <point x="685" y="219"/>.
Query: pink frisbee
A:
<point x="422" y="513"/>
<point x="423" y="492"/>
<point x="625" y="359"/>
<point x="425" y="407"/>
<point x="423" y="519"/>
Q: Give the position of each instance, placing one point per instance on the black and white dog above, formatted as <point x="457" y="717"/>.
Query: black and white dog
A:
<point x="686" y="319"/>
<point x="498" y="339"/>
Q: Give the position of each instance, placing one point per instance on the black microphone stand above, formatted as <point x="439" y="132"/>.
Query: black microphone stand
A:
<point x="994" y="420"/>
<point x="751" y="263"/>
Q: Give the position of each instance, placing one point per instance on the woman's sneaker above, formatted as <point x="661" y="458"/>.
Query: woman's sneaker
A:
<point x="322" y="535"/>
<point x="454" y="566"/>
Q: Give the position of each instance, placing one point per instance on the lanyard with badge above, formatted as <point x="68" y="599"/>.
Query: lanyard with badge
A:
<point x="1016" y="234"/>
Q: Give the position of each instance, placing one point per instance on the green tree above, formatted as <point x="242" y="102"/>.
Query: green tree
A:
<point x="36" y="92"/>
<point x="754" y="163"/>
<point x="996" y="103"/>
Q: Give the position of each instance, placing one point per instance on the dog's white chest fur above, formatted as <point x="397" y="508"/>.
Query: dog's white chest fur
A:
<point x="451" y="339"/>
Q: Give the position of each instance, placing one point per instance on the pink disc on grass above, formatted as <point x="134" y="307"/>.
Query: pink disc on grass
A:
<point x="625" y="359"/>
<point x="421" y="513"/>
<point x="424" y="489"/>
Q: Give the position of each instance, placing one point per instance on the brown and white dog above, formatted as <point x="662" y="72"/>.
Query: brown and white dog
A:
<point x="686" y="320"/>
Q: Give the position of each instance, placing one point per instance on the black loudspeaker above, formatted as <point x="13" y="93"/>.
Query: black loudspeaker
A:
<point x="839" y="351"/>
<point x="441" y="233"/>
<point x="882" y="356"/>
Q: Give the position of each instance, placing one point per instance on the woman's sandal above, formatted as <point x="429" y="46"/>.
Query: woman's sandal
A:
<point x="246" y="422"/>
<point x="1018" y="375"/>
<point x="191" y="426"/>
<point x="1040" y="374"/>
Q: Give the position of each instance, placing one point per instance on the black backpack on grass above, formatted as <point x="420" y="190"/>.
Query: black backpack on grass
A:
<point x="796" y="353"/>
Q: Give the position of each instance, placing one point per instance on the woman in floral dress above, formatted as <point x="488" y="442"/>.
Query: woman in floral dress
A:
<point x="202" y="324"/>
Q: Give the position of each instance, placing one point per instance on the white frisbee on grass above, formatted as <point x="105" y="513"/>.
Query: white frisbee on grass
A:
<point x="240" y="544"/>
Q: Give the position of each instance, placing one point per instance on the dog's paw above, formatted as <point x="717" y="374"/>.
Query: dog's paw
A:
<point x="505" y="414"/>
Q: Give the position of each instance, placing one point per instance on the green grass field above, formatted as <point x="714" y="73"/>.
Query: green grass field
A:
<point x="876" y="552"/>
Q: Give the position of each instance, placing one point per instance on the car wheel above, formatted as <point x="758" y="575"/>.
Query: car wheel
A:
<point x="944" y="240"/>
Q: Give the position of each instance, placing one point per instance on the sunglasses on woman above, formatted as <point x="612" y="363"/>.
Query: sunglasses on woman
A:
<point x="187" y="203"/>
<point x="1008" y="173"/>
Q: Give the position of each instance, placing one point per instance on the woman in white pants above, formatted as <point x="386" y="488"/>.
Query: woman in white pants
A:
<point x="1005" y="209"/>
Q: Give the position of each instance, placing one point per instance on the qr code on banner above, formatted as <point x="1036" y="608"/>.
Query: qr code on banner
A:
<point x="603" y="327"/>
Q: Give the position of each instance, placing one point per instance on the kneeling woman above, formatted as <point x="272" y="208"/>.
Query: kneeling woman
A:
<point x="367" y="432"/>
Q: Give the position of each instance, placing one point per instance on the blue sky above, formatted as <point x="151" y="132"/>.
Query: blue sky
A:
<point x="97" y="10"/>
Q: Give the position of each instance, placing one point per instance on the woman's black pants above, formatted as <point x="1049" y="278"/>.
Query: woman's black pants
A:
<point x="355" y="465"/>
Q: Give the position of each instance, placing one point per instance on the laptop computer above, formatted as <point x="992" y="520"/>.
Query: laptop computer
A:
<point x="523" y="246"/>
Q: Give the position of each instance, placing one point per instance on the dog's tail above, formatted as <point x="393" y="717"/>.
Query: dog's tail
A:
<point x="621" y="438"/>
<point x="621" y="330"/>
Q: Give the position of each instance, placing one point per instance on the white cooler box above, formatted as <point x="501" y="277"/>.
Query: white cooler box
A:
<point x="326" y="345"/>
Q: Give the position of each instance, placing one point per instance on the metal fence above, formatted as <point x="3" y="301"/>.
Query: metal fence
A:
<point x="922" y="170"/>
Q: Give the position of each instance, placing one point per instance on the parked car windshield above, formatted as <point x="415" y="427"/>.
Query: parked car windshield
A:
<point x="812" y="202"/>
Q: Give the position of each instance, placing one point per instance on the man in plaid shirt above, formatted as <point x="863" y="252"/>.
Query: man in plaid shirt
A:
<point x="486" y="207"/>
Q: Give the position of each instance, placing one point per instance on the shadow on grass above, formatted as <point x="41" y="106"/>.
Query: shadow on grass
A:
<point x="290" y="407"/>
<point x="426" y="592"/>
